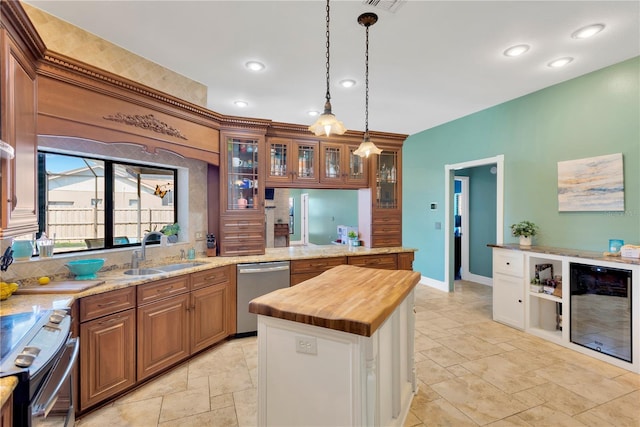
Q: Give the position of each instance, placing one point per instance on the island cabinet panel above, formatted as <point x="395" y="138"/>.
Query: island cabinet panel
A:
<point x="18" y="208"/>
<point x="163" y="334"/>
<point x="6" y="413"/>
<point x="405" y="260"/>
<point x="107" y="346"/>
<point x="382" y="261"/>
<point x="305" y="269"/>
<point x="107" y="357"/>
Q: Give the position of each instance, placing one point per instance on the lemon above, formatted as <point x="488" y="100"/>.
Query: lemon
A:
<point x="44" y="280"/>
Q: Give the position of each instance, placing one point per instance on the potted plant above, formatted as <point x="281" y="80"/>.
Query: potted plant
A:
<point x="353" y="238"/>
<point x="525" y="230"/>
<point x="536" y="286"/>
<point x="171" y="231"/>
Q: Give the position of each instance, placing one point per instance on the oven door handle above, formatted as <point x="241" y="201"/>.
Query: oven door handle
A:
<point x="42" y="410"/>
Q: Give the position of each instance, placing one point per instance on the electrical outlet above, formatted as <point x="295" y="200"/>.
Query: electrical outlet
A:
<point x="199" y="235"/>
<point x="306" y="345"/>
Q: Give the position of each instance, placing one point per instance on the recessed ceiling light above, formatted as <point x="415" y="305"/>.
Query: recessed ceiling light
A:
<point x="516" y="50"/>
<point x="313" y="113"/>
<point x="254" y="66"/>
<point x="241" y="104"/>
<point x="347" y="83"/>
<point x="588" y="31"/>
<point x="561" y="62"/>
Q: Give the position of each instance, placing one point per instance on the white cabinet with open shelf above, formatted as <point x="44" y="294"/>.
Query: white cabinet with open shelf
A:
<point x="544" y="309"/>
<point x="561" y="313"/>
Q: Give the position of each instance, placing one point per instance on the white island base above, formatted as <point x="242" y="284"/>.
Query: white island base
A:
<point x="315" y="376"/>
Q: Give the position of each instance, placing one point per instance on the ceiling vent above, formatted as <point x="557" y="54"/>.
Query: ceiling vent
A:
<point x="388" y="5"/>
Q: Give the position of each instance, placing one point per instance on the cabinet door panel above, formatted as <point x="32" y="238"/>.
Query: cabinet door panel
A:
<point x="208" y="316"/>
<point x="508" y="300"/>
<point x="107" y="357"/>
<point x="163" y="334"/>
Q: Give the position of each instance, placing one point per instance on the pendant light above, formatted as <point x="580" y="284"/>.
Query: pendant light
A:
<point x="327" y="122"/>
<point x="366" y="146"/>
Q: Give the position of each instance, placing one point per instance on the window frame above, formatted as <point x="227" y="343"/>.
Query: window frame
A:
<point x="108" y="200"/>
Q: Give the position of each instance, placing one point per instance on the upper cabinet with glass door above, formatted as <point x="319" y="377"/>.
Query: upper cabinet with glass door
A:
<point x="291" y="162"/>
<point x="387" y="189"/>
<point x="341" y="167"/>
<point x="242" y="174"/>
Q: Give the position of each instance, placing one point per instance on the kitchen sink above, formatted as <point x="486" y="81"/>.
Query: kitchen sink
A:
<point x="143" y="271"/>
<point x="161" y="269"/>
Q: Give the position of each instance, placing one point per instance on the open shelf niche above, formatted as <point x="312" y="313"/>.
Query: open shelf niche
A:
<point x="545" y="309"/>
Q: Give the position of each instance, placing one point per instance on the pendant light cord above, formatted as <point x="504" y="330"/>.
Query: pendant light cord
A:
<point x="366" y="82"/>
<point x="328" y="96"/>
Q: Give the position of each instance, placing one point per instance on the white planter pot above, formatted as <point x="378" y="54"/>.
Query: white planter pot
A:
<point x="525" y="240"/>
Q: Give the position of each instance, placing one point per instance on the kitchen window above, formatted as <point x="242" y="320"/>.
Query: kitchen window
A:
<point x="89" y="203"/>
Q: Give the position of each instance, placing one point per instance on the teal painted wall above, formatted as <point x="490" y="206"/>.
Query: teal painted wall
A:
<point x="482" y="218"/>
<point x="592" y="115"/>
<point x="327" y="210"/>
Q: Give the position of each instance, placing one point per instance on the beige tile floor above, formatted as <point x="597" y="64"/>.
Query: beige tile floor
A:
<point x="471" y="371"/>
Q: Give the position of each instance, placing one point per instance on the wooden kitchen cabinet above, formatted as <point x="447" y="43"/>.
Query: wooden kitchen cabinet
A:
<point x="291" y="162"/>
<point x="241" y="195"/>
<point x="107" y="346"/>
<point x="163" y="325"/>
<point x="18" y="188"/>
<point x="305" y="269"/>
<point x="213" y="306"/>
<point x="6" y="413"/>
<point x="340" y="167"/>
<point x="380" y="206"/>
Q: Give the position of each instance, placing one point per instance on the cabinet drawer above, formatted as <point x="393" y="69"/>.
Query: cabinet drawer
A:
<point x="508" y="262"/>
<point x="382" y="219"/>
<point x="385" y="261"/>
<point x="231" y="224"/>
<point x="241" y="248"/>
<point x="382" y="229"/>
<point x="387" y="240"/>
<point x="210" y="277"/>
<point x="316" y="265"/>
<point x="241" y="236"/>
<point x="100" y="305"/>
<point x="154" y="291"/>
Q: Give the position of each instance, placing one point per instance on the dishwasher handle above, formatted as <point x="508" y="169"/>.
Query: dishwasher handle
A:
<point x="254" y="270"/>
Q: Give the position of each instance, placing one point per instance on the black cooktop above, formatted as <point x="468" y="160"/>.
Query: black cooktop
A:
<point x="13" y="328"/>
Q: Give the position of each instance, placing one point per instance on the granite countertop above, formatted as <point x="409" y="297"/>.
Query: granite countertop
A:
<point x="346" y="298"/>
<point x="115" y="279"/>
<point x="598" y="256"/>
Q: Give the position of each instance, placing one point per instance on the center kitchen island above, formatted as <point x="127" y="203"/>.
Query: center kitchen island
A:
<point x="337" y="349"/>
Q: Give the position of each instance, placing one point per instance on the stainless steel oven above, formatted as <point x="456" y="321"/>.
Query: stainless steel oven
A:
<point x="38" y="349"/>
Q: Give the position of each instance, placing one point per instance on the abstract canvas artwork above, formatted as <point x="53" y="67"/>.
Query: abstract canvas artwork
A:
<point x="592" y="184"/>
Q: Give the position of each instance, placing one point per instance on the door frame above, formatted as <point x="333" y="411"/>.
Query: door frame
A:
<point x="464" y="211"/>
<point x="449" y="176"/>
<point x="304" y="218"/>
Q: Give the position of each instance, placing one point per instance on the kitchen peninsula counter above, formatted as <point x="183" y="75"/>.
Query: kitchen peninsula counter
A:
<point x="342" y="340"/>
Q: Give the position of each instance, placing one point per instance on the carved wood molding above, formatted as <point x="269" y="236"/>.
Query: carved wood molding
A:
<point x="147" y="121"/>
<point x="62" y="62"/>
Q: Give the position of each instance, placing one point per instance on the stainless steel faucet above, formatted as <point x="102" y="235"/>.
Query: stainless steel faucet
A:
<point x="141" y="254"/>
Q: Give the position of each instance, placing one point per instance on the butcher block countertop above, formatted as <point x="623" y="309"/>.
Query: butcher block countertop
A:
<point x="346" y="298"/>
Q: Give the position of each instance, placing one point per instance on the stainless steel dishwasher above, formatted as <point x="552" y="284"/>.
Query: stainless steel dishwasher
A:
<point x="254" y="280"/>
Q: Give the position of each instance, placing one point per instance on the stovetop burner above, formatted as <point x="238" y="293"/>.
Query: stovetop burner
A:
<point x="14" y="327"/>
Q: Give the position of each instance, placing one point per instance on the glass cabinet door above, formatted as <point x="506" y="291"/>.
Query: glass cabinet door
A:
<point x="357" y="173"/>
<point x="242" y="175"/>
<point x="306" y="169"/>
<point x="278" y="159"/>
<point x="332" y="162"/>
<point x="387" y="180"/>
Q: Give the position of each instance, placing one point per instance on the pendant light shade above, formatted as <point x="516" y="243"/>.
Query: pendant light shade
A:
<point x="366" y="146"/>
<point x="327" y="123"/>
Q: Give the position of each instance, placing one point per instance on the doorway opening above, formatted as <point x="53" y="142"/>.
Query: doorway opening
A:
<point x="450" y="221"/>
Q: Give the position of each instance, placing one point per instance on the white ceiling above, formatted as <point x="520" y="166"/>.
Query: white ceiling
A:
<point x="430" y="62"/>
